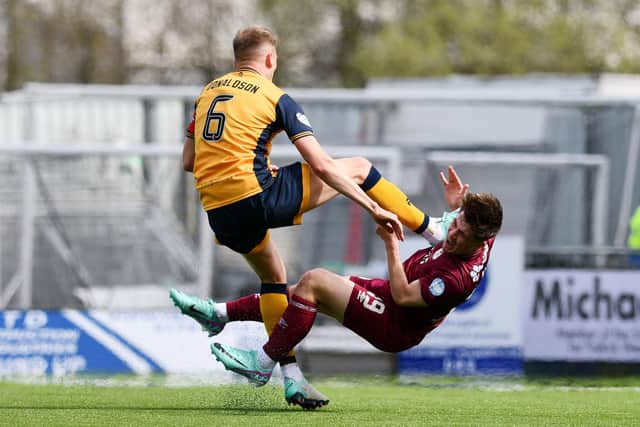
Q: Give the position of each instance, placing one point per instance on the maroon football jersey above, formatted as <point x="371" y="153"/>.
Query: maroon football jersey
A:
<point x="446" y="281"/>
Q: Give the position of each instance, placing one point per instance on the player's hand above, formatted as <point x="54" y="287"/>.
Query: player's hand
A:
<point x="388" y="221"/>
<point x="454" y="189"/>
<point x="388" y="237"/>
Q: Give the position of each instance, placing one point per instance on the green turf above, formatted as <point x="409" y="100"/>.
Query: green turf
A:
<point x="439" y="401"/>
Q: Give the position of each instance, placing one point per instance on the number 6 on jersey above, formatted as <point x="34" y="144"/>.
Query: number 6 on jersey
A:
<point x="215" y="135"/>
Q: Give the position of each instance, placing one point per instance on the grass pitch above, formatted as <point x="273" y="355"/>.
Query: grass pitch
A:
<point x="429" y="401"/>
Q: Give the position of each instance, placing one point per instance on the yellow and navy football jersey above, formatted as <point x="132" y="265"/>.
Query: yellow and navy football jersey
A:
<point x="235" y="120"/>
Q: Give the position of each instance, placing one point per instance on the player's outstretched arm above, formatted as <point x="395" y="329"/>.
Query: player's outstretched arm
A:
<point x="404" y="294"/>
<point x="326" y="168"/>
<point x="454" y="189"/>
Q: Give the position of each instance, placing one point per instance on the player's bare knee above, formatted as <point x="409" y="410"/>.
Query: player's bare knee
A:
<point x="312" y="279"/>
<point x="360" y="168"/>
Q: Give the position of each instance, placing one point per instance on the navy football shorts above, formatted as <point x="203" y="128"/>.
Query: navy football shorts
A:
<point x="243" y="225"/>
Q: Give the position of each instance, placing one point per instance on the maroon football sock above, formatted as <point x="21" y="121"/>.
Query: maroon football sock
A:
<point x="294" y="325"/>
<point x="245" y="308"/>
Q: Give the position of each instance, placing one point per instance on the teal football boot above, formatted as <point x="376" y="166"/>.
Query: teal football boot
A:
<point x="202" y="311"/>
<point x="243" y="362"/>
<point x="304" y="394"/>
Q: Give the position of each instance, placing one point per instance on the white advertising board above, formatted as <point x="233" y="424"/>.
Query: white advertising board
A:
<point x="582" y="315"/>
<point x="67" y="342"/>
<point x="485" y="333"/>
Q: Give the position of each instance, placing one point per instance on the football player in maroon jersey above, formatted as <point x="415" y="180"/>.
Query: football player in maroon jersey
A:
<point x="392" y="314"/>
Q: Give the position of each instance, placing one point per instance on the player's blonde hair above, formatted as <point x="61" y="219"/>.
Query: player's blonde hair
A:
<point x="248" y="40"/>
<point x="483" y="213"/>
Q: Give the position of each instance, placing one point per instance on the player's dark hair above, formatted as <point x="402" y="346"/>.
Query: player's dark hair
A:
<point x="249" y="39"/>
<point x="483" y="213"/>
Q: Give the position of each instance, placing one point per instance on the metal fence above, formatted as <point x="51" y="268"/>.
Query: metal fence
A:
<point x="101" y="166"/>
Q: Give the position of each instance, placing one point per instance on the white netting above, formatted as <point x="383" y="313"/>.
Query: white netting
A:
<point x="99" y="226"/>
<point x="97" y="220"/>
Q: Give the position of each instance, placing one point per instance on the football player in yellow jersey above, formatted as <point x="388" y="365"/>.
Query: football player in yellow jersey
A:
<point x="227" y="148"/>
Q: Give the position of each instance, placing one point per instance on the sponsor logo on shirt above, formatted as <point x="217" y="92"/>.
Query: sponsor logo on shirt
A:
<point x="303" y="119"/>
<point x="436" y="287"/>
<point x="476" y="270"/>
<point x="431" y="254"/>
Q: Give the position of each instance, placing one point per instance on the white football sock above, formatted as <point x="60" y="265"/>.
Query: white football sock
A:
<point x="264" y="360"/>
<point x="291" y="370"/>
<point x="437" y="229"/>
<point x="434" y="232"/>
<point x="221" y="311"/>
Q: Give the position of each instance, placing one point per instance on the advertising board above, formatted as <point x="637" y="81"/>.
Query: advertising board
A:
<point x="582" y="315"/>
<point x="483" y="335"/>
<point x="66" y="342"/>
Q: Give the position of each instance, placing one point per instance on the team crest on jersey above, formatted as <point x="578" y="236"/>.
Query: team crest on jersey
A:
<point x="303" y="119"/>
<point x="436" y="287"/>
<point x="437" y="254"/>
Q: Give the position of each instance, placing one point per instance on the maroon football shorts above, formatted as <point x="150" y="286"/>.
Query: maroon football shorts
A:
<point x="372" y="314"/>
